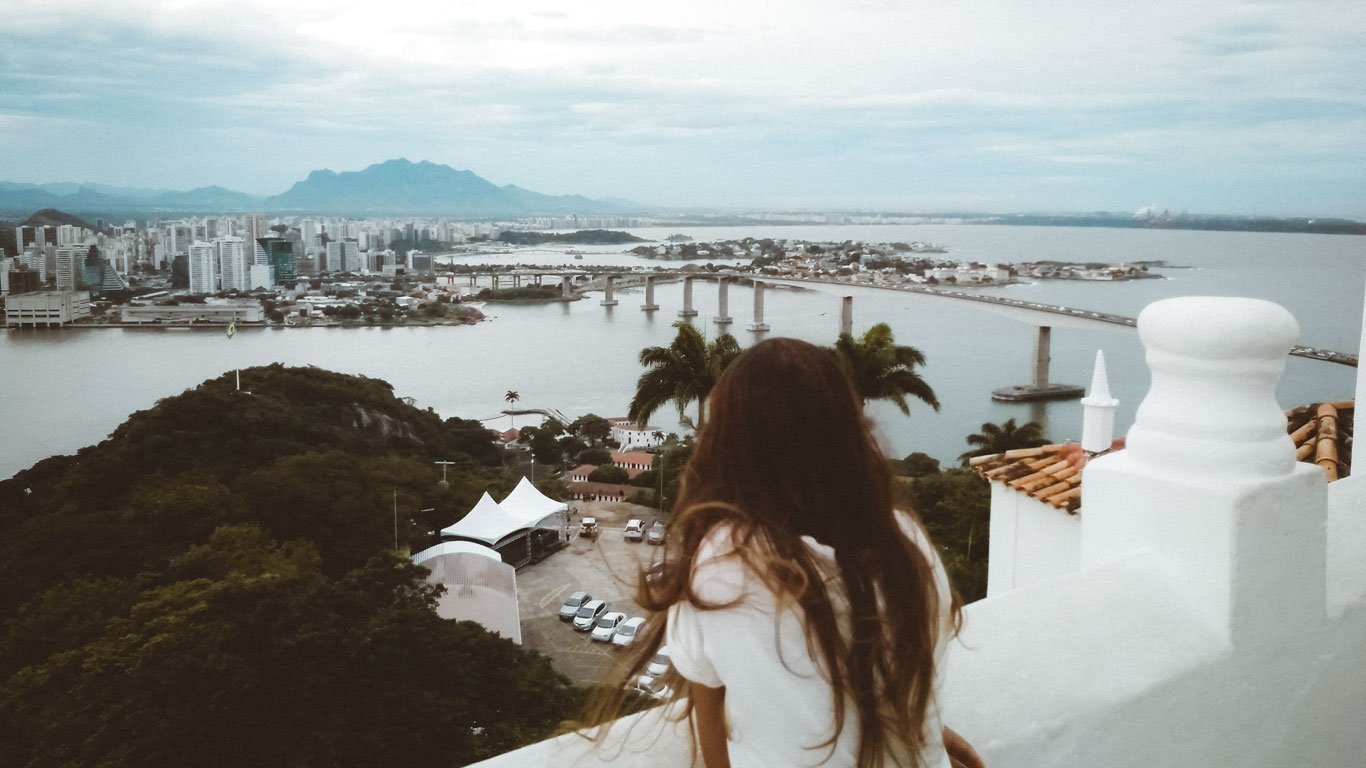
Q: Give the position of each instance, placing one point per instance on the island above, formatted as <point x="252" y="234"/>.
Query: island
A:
<point x="581" y="237"/>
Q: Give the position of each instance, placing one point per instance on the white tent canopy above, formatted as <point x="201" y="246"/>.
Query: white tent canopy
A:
<point x="490" y="522"/>
<point x="529" y="504"/>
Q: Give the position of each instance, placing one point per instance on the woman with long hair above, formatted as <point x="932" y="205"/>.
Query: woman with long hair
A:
<point x="802" y="612"/>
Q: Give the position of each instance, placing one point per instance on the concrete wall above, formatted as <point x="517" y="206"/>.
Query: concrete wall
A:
<point x="1030" y="541"/>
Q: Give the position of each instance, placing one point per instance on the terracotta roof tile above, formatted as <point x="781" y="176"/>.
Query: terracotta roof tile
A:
<point x="1049" y="473"/>
<point x="1322" y="433"/>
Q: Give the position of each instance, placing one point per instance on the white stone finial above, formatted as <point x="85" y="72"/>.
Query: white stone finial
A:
<point x="1212" y="408"/>
<point x="1098" y="411"/>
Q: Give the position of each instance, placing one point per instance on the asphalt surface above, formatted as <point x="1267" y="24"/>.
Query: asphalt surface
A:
<point x="606" y="567"/>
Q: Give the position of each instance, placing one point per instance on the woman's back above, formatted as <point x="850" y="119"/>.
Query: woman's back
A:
<point x="778" y="700"/>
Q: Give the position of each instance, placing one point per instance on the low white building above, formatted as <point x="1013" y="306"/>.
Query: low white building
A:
<point x="632" y="436"/>
<point x="46" y="308"/>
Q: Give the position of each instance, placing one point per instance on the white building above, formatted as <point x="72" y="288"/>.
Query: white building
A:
<point x="203" y="276"/>
<point x="46" y="308"/>
<point x="233" y="263"/>
<point x="632" y="436"/>
<point x="70" y="263"/>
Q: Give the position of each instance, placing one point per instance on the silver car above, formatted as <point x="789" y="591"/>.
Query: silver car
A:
<point x="573" y="604"/>
<point x="588" y="613"/>
<point x="607" y="626"/>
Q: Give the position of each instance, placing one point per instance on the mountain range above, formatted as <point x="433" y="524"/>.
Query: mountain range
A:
<point x="393" y="187"/>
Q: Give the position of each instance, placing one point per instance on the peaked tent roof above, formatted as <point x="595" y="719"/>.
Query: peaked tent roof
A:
<point x="528" y="504"/>
<point x="487" y="522"/>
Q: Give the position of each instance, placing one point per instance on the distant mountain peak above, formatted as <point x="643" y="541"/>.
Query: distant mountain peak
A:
<point x="403" y="186"/>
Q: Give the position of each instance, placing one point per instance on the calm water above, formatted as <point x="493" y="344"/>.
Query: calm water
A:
<point x="71" y="388"/>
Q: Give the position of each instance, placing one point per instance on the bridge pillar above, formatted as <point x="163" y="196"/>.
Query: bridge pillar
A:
<point x="847" y="315"/>
<point x="758" y="324"/>
<point x="537" y="278"/>
<point x="607" y="300"/>
<point x="723" y="302"/>
<point x="566" y="287"/>
<point x="1041" y="389"/>
<point x="649" y="305"/>
<point x="1043" y="354"/>
<point x="687" y="310"/>
<point x="473" y="279"/>
<point x="516" y="281"/>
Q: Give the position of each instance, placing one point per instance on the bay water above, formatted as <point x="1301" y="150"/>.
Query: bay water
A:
<point x="70" y="388"/>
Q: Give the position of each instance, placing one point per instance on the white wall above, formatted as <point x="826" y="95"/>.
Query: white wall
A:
<point x="1030" y="541"/>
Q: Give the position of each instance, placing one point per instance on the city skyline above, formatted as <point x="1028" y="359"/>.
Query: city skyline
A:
<point x="1253" y="108"/>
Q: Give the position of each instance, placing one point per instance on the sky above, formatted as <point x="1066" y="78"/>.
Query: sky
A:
<point x="974" y="105"/>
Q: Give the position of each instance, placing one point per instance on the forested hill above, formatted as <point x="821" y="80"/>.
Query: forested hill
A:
<point x="221" y="568"/>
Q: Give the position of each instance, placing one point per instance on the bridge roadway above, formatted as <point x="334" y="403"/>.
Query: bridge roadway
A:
<point x="1031" y="312"/>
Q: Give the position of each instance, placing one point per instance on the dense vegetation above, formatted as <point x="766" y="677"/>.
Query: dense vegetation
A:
<point x="524" y="293"/>
<point x="215" y="585"/>
<point x="581" y="237"/>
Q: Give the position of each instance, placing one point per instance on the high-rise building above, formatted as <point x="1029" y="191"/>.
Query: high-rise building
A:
<point x="70" y="265"/>
<point x="278" y="253"/>
<point x="231" y="253"/>
<point x="343" y="256"/>
<point x="202" y="274"/>
<point x="254" y="228"/>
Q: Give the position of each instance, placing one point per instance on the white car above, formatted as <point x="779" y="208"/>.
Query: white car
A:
<point x="588" y="614"/>
<point x="635" y="530"/>
<point x="659" y="665"/>
<point x="607" y="625"/>
<point x="627" y="632"/>
<point x="652" y="687"/>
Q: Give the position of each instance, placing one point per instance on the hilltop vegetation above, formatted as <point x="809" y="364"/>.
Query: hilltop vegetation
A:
<point x="581" y="237"/>
<point x="217" y="580"/>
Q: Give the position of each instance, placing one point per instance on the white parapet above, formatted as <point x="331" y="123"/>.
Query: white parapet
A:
<point x="1208" y="480"/>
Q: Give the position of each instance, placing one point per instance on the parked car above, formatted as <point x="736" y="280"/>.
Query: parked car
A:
<point x="652" y="687"/>
<point x="628" y="630"/>
<point x="635" y="530"/>
<point x="588" y="613"/>
<point x="659" y="665"/>
<point x="656" y="535"/>
<point x="572" y="605"/>
<point x="588" y="527"/>
<point x="606" y="626"/>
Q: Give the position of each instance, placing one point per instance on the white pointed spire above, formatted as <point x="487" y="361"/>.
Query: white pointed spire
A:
<point x="1098" y="411"/>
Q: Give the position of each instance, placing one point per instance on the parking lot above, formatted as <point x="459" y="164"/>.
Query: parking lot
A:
<point x="605" y="567"/>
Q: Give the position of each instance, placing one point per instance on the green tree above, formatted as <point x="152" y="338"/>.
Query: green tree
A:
<point x="881" y="369"/>
<point x="512" y="397"/>
<point x="592" y="428"/>
<point x="683" y="372"/>
<point x="955" y="506"/>
<point x="594" y="456"/>
<point x="999" y="438"/>
<point x="244" y="652"/>
<point x="609" y="474"/>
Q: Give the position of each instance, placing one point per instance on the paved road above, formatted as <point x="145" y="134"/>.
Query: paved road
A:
<point x="606" y="567"/>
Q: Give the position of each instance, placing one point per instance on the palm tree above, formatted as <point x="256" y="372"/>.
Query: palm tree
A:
<point x="999" y="438"/>
<point x="683" y="372"/>
<point x="881" y="369"/>
<point x="512" y="397"/>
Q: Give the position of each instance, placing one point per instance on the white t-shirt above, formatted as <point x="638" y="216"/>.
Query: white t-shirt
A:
<point x="778" y="702"/>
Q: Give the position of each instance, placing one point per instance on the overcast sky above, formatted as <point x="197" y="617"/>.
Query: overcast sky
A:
<point x="1242" y="107"/>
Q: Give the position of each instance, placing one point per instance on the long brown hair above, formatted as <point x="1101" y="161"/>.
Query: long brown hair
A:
<point x="788" y="453"/>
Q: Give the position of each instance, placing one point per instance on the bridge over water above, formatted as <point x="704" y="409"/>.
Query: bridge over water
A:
<point x="1044" y="317"/>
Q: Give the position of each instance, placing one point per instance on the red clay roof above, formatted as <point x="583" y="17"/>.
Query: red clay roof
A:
<point x="1322" y="433"/>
